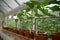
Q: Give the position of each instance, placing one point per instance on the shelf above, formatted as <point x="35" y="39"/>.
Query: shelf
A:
<point x="17" y="36"/>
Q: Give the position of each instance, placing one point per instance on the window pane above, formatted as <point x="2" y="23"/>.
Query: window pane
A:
<point x="5" y="6"/>
<point x="1" y="8"/>
<point x="21" y="2"/>
<point x="11" y="3"/>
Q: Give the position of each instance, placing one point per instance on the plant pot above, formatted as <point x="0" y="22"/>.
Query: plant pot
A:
<point x="9" y="29"/>
<point x="15" y="31"/>
<point x="42" y="37"/>
<point x="5" y="28"/>
<point x="56" y="36"/>
<point x="27" y="34"/>
<point x="32" y="35"/>
<point x="21" y="32"/>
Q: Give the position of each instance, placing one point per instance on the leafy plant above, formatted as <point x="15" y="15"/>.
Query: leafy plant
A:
<point x="49" y="25"/>
<point x="11" y="24"/>
<point x="16" y="21"/>
<point x="35" y="6"/>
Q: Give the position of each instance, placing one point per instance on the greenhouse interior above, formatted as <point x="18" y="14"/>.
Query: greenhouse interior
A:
<point x="29" y="19"/>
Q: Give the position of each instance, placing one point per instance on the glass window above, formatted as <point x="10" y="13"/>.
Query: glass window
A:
<point x="1" y="8"/>
<point x="5" y="6"/>
<point x="21" y="2"/>
<point x="11" y="3"/>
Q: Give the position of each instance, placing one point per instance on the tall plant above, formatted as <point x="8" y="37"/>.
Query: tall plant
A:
<point x="35" y="6"/>
<point x="16" y="21"/>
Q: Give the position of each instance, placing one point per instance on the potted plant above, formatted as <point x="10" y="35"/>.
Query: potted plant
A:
<point x="35" y="6"/>
<point x="41" y="37"/>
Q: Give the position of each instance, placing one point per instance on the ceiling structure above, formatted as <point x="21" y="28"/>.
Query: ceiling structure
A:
<point x="9" y="7"/>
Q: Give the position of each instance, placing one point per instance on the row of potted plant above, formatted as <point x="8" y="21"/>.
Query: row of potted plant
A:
<point x="28" y="34"/>
<point x="32" y="35"/>
<point x="25" y="33"/>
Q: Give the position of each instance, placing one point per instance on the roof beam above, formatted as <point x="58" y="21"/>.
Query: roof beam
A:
<point x="2" y="4"/>
<point x="6" y="4"/>
<point x="3" y="8"/>
<point x="2" y="11"/>
<point x="17" y="2"/>
<point x="16" y="10"/>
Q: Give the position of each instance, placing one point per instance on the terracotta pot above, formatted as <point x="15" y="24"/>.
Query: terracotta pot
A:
<point x="21" y="32"/>
<point x="32" y="35"/>
<point x="5" y="28"/>
<point x="56" y="36"/>
<point x="29" y="35"/>
<point x="41" y="37"/>
<point x="9" y="29"/>
<point x="15" y="31"/>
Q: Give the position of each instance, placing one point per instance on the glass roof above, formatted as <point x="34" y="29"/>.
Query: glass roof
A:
<point x="21" y="2"/>
<point x="4" y="6"/>
<point x="9" y="5"/>
<point x="1" y="8"/>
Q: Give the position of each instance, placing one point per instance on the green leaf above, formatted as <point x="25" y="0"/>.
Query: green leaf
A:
<point x="45" y="12"/>
<point x="16" y="20"/>
<point x="38" y="15"/>
<point x="27" y="9"/>
<point x="20" y="15"/>
<point x="44" y="3"/>
<point x="54" y="2"/>
<point x="55" y="8"/>
<point x="35" y="2"/>
<point x="29" y="15"/>
<point x="35" y="9"/>
<point x="29" y="4"/>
